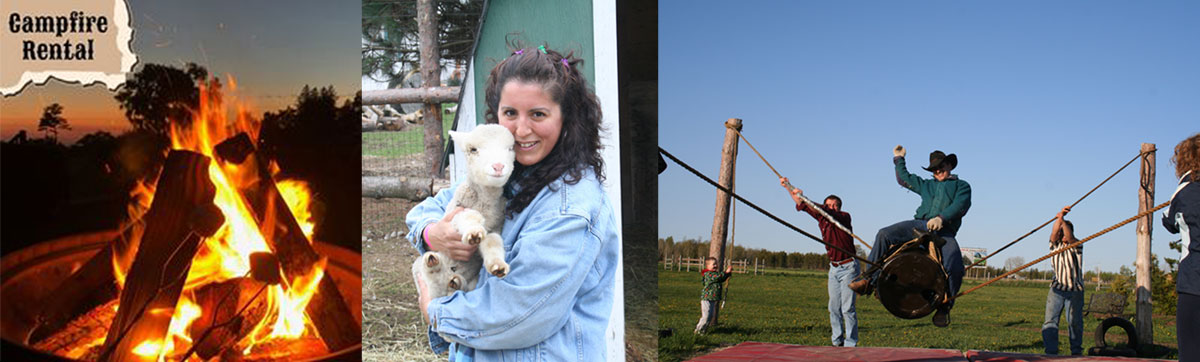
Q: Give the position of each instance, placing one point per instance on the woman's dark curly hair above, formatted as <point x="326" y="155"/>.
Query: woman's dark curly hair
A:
<point x="578" y="146"/>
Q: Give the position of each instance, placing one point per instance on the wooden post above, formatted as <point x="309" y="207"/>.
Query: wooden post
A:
<point x="1145" y="307"/>
<point x="431" y="76"/>
<point x="720" y="228"/>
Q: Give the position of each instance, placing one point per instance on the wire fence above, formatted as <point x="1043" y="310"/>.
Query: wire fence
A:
<point x="397" y="154"/>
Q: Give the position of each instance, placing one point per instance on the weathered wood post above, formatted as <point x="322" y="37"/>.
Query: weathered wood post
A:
<point x="720" y="228"/>
<point x="1145" y="307"/>
<point x="431" y="76"/>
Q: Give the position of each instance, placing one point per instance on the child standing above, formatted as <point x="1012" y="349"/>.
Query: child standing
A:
<point x="711" y="295"/>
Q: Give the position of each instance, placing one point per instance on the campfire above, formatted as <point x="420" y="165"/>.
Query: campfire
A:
<point x="217" y="261"/>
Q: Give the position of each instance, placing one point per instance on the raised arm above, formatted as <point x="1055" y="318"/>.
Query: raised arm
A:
<point x="1060" y="228"/>
<point x="905" y="179"/>
<point x="553" y="258"/>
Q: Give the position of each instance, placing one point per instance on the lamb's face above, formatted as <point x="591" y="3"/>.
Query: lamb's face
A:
<point x="489" y="153"/>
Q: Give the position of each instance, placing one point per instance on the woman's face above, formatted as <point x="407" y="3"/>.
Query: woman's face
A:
<point x="534" y="119"/>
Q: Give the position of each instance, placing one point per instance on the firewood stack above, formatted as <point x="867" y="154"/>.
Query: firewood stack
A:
<point x="336" y="325"/>
<point x="181" y="215"/>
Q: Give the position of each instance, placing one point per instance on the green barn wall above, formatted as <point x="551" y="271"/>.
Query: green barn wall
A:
<point x="564" y="26"/>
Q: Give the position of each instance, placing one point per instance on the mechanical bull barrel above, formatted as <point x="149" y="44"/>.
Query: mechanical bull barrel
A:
<point x="913" y="283"/>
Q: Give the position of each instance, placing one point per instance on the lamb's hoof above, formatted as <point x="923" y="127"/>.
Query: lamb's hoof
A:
<point x="499" y="269"/>
<point x="431" y="260"/>
<point x="474" y="237"/>
<point x="455" y="283"/>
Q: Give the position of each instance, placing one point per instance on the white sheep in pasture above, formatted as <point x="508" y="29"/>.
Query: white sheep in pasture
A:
<point x="489" y="153"/>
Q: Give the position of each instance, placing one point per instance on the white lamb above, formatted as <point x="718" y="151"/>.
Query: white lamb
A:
<point x="489" y="153"/>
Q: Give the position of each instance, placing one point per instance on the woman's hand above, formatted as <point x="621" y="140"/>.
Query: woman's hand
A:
<point x="442" y="237"/>
<point x="423" y="298"/>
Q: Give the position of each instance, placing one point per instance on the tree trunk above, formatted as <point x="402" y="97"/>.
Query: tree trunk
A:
<point x="430" y="77"/>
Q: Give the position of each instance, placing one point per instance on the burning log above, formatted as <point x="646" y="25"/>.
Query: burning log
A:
<point x="337" y="326"/>
<point x="91" y="326"/>
<point x="220" y="304"/>
<point x="180" y="216"/>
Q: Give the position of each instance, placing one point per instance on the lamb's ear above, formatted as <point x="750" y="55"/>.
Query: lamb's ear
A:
<point x="457" y="136"/>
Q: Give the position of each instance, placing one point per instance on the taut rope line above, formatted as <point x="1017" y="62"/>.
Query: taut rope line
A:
<point x="1065" y="248"/>
<point x="810" y="203"/>
<point x="979" y="261"/>
<point x="759" y="209"/>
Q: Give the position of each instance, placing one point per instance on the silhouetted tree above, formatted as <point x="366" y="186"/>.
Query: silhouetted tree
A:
<point x="160" y="94"/>
<point x="52" y="121"/>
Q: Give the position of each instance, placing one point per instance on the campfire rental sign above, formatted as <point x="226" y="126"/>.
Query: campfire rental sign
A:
<point x="83" y="42"/>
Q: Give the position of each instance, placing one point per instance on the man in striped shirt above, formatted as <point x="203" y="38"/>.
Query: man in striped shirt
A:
<point x="1066" y="290"/>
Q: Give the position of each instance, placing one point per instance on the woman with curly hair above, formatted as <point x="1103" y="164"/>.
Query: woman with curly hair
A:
<point x="560" y="233"/>
<point x="1183" y="217"/>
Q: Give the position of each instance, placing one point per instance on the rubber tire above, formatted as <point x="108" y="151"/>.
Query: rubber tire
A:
<point x="1116" y="322"/>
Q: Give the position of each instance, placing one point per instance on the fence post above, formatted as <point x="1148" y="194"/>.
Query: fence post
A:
<point x="1145" y="306"/>
<point x="431" y="77"/>
<point x="720" y="228"/>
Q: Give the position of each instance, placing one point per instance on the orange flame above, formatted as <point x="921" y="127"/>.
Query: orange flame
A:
<point x="226" y="255"/>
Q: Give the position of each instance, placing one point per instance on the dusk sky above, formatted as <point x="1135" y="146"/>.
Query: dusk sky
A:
<point x="271" y="48"/>
<point x="1039" y="100"/>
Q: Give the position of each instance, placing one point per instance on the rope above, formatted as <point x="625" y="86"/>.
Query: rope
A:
<point x="759" y="209"/>
<point x="1065" y="248"/>
<point x="980" y="261"/>
<point x="803" y="198"/>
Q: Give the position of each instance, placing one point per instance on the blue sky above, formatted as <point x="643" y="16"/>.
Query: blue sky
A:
<point x="1040" y="101"/>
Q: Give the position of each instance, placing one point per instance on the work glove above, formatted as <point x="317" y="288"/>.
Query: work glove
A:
<point x="899" y="151"/>
<point x="934" y="224"/>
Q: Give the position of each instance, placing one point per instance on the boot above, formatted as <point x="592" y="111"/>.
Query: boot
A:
<point x="861" y="286"/>
<point x="941" y="318"/>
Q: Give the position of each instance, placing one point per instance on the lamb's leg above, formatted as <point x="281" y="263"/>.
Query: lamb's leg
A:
<point x="469" y="223"/>
<point x="492" y="250"/>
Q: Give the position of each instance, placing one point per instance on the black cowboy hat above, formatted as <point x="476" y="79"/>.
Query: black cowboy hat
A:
<point x="938" y="159"/>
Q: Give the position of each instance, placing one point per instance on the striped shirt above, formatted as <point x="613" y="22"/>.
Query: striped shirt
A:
<point x="1068" y="265"/>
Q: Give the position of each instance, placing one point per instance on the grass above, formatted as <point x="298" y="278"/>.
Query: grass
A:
<point x="403" y="143"/>
<point x="790" y="307"/>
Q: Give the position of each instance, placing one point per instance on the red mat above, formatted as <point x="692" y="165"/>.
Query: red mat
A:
<point x="1022" y="357"/>
<point x="757" y="351"/>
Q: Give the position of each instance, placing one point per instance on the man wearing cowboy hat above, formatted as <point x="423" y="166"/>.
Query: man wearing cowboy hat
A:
<point x="944" y="201"/>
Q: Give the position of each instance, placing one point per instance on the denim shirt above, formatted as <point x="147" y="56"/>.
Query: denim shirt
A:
<point x="555" y="302"/>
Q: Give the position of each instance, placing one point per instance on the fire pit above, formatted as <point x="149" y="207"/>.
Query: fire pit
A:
<point x="216" y="260"/>
<point x="31" y="274"/>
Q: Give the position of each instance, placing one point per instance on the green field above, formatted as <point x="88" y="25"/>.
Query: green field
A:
<point x="791" y="308"/>
<point x="397" y="143"/>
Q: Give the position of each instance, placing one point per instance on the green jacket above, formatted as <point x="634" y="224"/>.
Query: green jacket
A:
<point x="949" y="199"/>
<point x="712" y="284"/>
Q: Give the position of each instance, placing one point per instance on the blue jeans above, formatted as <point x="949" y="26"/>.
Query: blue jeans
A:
<point x="1055" y="302"/>
<point x="901" y="232"/>
<point x="841" y="304"/>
